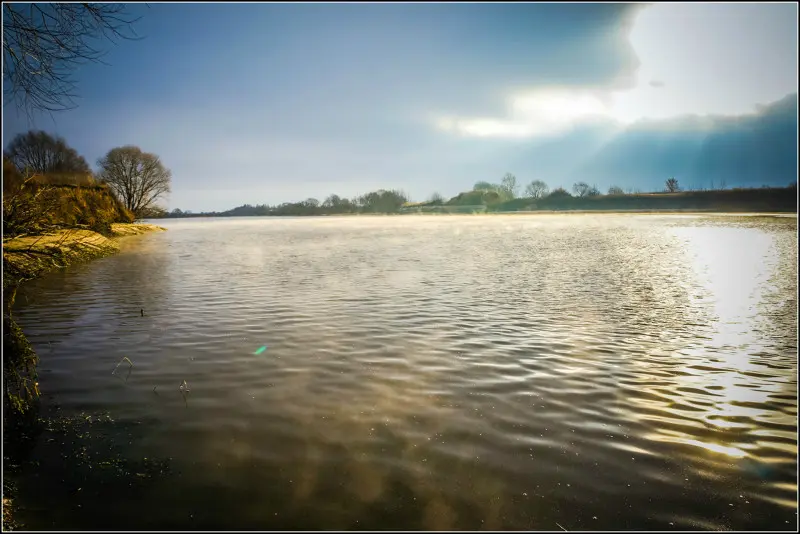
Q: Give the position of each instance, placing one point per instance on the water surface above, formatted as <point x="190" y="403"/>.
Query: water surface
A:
<point x="464" y="372"/>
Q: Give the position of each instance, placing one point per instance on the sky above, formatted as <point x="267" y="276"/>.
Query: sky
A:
<point x="272" y="103"/>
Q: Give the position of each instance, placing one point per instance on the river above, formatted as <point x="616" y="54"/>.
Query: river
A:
<point x="553" y="372"/>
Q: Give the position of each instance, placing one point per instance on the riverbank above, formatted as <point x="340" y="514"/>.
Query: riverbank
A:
<point x="25" y="258"/>
<point x="29" y="257"/>
<point x="650" y="212"/>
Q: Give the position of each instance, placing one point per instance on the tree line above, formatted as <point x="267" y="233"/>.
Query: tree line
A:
<point x="380" y="201"/>
<point x="504" y="193"/>
<point x="140" y="181"/>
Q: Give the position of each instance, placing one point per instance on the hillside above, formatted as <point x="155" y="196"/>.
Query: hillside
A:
<point x="47" y="202"/>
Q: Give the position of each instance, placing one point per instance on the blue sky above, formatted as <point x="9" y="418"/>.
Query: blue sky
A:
<point x="271" y="103"/>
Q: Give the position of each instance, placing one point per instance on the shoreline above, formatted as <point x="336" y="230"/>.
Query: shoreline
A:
<point x="674" y="211"/>
<point x="499" y="213"/>
<point x="620" y="212"/>
<point x="29" y="257"/>
<point x="655" y="212"/>
<point x="26" y="258"/>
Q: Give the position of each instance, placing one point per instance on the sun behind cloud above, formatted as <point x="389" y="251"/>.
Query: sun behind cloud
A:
<point x="718" y="60"/>
<point x="535" y="113"/>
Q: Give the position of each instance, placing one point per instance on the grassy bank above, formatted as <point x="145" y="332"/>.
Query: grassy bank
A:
<point x="28" y="257"/>
<point x="24" y="258"/>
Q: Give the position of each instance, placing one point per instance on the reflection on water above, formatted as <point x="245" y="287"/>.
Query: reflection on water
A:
<point x="522" y="372"/>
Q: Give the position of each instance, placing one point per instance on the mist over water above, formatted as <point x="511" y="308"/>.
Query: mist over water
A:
<point x="581" y="372"/>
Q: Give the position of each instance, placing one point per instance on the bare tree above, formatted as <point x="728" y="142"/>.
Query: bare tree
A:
<point x="44" y="43"/>
<point x="672" y="185"/>
<point x="138" y="178"/>
<point x="509" y="185"/>
<point x="615" y="190"/>
<point x="39" y="152"/>
<point x="536" y="189"/>
<point x="27" y="208"/>
<point x="581" y="189"/>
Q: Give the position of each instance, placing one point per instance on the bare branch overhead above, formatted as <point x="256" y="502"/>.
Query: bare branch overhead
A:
<point x="43" y="45"/>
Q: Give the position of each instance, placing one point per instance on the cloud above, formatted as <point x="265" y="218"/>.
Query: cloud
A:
<point x="539" y="112"/>
<point x="713" y="68"/>
<point x="751" y="149"/>
<point x="338" y="93"/>
<point x="311" y="99"/>
<point x="719" y="59"/>
<point x="744" y="150"/>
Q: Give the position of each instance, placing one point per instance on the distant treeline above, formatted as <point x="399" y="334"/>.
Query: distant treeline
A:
<point x="380" y="201"/>
<point x="503" y="197"/>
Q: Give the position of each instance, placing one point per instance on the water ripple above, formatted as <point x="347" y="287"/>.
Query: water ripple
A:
<point x="521" y="372"/>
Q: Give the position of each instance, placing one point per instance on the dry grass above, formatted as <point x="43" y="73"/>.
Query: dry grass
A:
<point x="126" y="229"/>
<point x="31" y="256"/>
<point x="8" y="521"/>
<point x="34" y="209"/>
<point x="61" y="239"/>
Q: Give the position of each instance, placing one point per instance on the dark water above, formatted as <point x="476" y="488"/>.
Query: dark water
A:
<point x="508" y="372"/>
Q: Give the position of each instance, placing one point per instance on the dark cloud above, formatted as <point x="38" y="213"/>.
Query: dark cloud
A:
<point x="456" y="58"/>
<point x="500" y="48"/>
<point x="746" y="150"/>
<point x="296" y="95"/>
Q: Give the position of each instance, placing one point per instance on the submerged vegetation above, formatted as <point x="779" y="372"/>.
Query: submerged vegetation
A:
<point x="94" y="443"/>
<point x="503" y="198"/>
